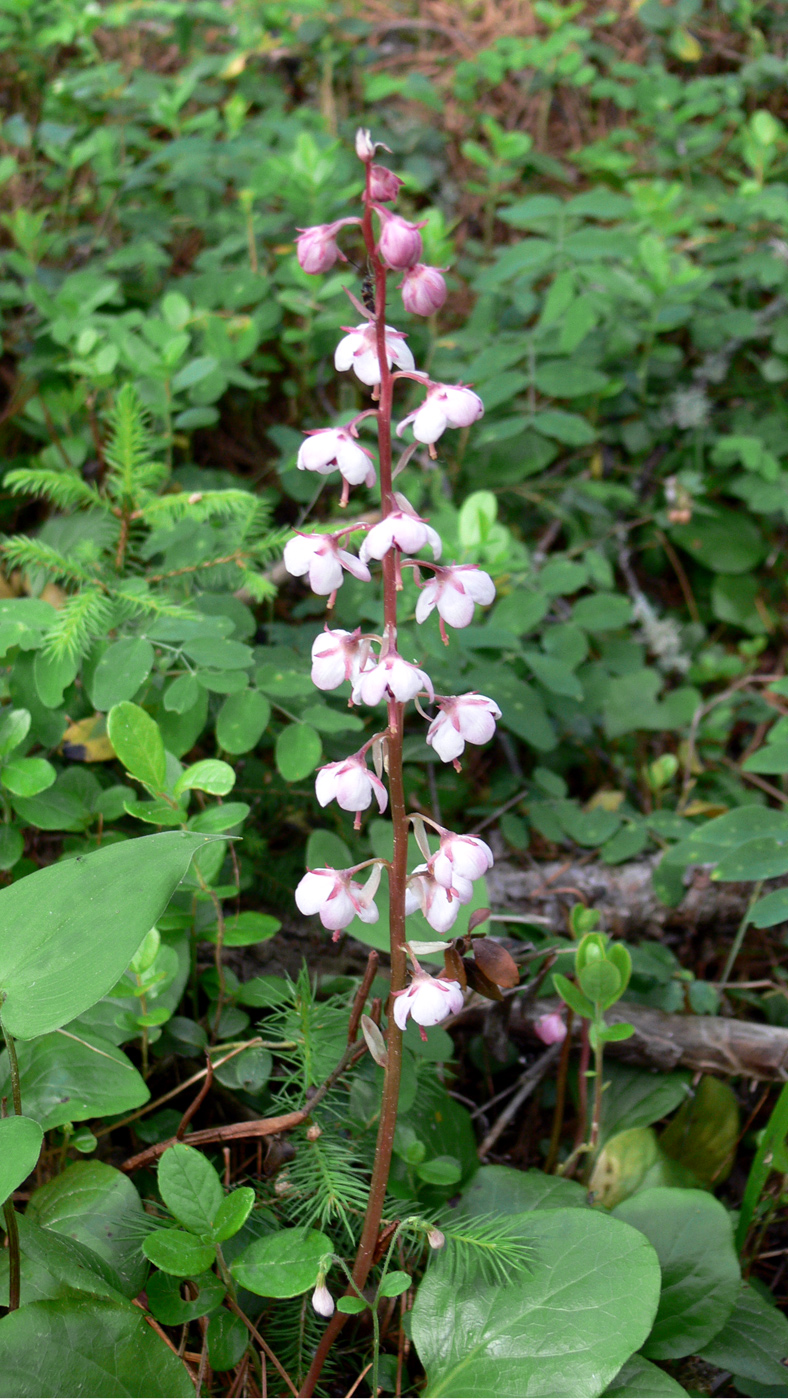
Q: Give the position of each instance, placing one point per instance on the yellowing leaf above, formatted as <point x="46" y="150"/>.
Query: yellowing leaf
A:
<point x="86" y="741"/>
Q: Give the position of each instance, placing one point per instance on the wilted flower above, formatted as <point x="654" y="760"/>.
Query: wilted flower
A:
<point x="551" y="1028"/>
<point x="454" y="591"/>
<point x="446" y="406"/>
<point x="463" y="718"/>
<point x="400" y="530"/>
<point x="321" y="557"/>
<point x="399" y="244"/>
<point x="393" y="676"/>
<point x="423" y="290"/>
<point x="351" y="784"/>
<point x="316" y="248"/>
<point x="428" y="1000"/>
<point x="439" y="905"/>
<point x="337" y="656"/>
<point x="336" y="897"/>
<point x="327" y="449"/>
<point x="384" y="185"/>
<point x="358" y="350"/>
<point x="466" y="857"/>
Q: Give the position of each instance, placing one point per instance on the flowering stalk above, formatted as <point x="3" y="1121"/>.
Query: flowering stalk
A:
<point x="445" y="881"/>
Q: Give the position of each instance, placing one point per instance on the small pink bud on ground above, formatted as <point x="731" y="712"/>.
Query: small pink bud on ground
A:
<point x="551" y="1028"/>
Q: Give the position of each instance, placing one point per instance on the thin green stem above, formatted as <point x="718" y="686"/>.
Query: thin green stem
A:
<point x="14" y="1271"/>
<point x="739" y="939"/>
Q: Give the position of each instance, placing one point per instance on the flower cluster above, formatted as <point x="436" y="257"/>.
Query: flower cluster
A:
<point x="370" y="664"/>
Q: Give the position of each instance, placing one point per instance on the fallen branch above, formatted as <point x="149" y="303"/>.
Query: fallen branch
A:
<point x="713" y="1044"/>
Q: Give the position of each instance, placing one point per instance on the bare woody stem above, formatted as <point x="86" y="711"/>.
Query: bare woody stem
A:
<point x="398" y="872"/>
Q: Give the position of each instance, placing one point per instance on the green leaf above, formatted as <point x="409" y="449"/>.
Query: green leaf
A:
<point x="182" y="695"/>
<point x="589" y="828"/>
<point x="194" y="372"/>
<point x="770" y="910"/>
<point x="219" y="653"/>
<point x="247" y="927"/>
<point x="298" y="751"/>
<point x="14" y="728"/>
<point x="506" y="1191"/>
<point x="227" y="1339"/>
<point x="636" y="1098"/>
<point x="753" y="1341"/>
<point x="564" y="1326"/>
<point x="772" y="758"/>
<point x="137" y="741"/>
<point x="394" y="1284"/>
<point x="325" y="848"/>
<point x="190" y="1187"/>
<point x="232" y="1213"/>
<point x="704" y="1134"/>
<point x="573" y="996"/>
<point x="123" y="668"/>
<point x="76" y="925"/>
<point x="351" y="1305"/>
<point x="20" y="1144"/>
<point x="283" y="1264"/>
<point x="53" y="674"/>
<point x="249" y="1070"/>
<point x="760" y="859"/>
<point x="772" y="1140"/>
<point x="241" y="721"/>
<point x="554" y="674"/>
<point x="562" y="379"/>
<point x="97" y="1205"/>
<point x="602" y="612"/>
<point x="440" y="1171"/>
<point x="66" y="1080"/>
<point x="168" y="1305"/>
<point x="693" y="1237"/>
<point x="26" y="777"/>
<point x="569" y="428"/>
<point x="12" y="845"/>
<point x="209" y="775"/>
<point x="102" y="1349"/>
<point x="70" y="1261"/>
<point x="178" y="1252"/>
<point x="218" y="819"/>
<point x="640" y="1379"/>
<point x="727" y="541"/>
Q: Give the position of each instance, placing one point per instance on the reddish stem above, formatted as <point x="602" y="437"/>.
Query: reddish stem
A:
<point x="398" y="871"/>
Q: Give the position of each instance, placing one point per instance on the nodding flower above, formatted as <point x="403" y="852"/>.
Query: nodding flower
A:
<point x="428" y="1000"/>
<point x="439" y="905"/>
<point x="316" y="247"/>
<point x="454" y="591"/>
<point x="321" y="557"/>
<point x="466" y="857"/>
<point x="463" y="718"/>
<point x="326" y="450"/>
<point x="350" y="783"/>
<point x="446" y="406"/>
<point x="403" y="530"/>
<point x="337" y="898"/>
<point x="423" y="290"/>
<point x="337" y="656"/>
<point x="392" y="676"/>
<point x="358" y="350"/>
<point x="399" y="244"/>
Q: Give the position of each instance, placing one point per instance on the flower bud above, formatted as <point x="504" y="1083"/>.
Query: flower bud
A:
<point x="316" y="248"/>
<point x="322" y="1302"/>
<point x="365" y="146"/>
<point x="383" y="184"/>
<point x="551" y="1029"/>
<point x="423" y="290"/>
<point x="399" y="244"/>
<point x="436" y="1238"/>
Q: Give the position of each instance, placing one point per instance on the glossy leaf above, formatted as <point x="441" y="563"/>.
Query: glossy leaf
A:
<point x="232" y="1214"/>
<point x="753" y="1341"/>
<point x="506" y="1191"/>
<point x="20" y="1144"/>
<point x="283" y="1264"/>
<point x="178" y="1252"/>
<point x="640" y="1379"/>
<point x="693" y="1237"/>
<point x="97" y="1205"/>
<point x="168" y="1305"/>
<point x="67" y="1078"/>
<point x="137" y="741"/>
<point x="209" y="775"/>
<point x="241" y="721"/>
<point x="548" y="1331"/>
<point x="71" y="929"/>
<point x="190" y="1187"/>
<point x="227" y="1339"/>
<point x="26" y="777"/>
<point x="123" y="668"/>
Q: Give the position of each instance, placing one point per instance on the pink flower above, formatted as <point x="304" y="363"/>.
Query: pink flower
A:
<point x="326" y="449"/>
<point x="463" y="718"/>
<point x="336" y="898"/>
<point x="316" y="248"/>
<point x="428" y="1000"/>
<point x="337" y="656"/>
<point x="399" y="244"/>
<point x="365" y="146"/>
<point x="454" y="591"/>
<point x="439" y="905"/>
<point x="384" y="185"/>
<point x="551" y="1028"/>
<point x="358" y="350"/>
<point x="423" y="290"/>
<point x="466" y="857"/>
<point x="351" y="784"/>
<point x="321" y="557"/>
<point x="390" y="676"/>
<point x="401" y="530"/>
<point x="446" y="406"/>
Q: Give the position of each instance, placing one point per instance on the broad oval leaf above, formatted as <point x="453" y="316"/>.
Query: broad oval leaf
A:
<point x="640" y="1379"/>
<point x="209" y="775"/>
<point x="190" y="1187"/>
<point x="753" y="1342"/>
<point x="693" y="1237"/>
<point x="98" y="1206"/>
<point x="298" y="750"/>
<point x="26" y="777"/>
<point x="123" y="668"/>
<point x="169" y="1306"/>
<point x="138" y="743"/>
<point x="67" y="1078"/>
<point x="103" y="1349"/>
<point x="20" y="1144"/>
<point x="283" y="1264"/>
<point x="241" y="721"/>
<point x="178" y="1252"/>
<point x="564" y="1326"/>
<point x="71" y="929"/>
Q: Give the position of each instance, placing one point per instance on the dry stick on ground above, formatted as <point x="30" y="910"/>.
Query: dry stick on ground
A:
<point x="526" y="1084"/>
<point x="262" y="1127"/>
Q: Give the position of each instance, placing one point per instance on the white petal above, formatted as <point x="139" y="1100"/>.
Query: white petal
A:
<point x="455" y="607"/>
<point x="298" y="555"/>
<point x="447" y="742"/>
<point x="434" y="541"/>
<point x="339" y="911"/>
<point x="477" y="726"/>
<point x="428" y="597"/>
<point x="429" y="422"/>
<point x="367" y="367"/>
<point x="326" y="784"/>
<point x="354" y="566"/>
<point x="346" y="349"/>
<point x="402" y="1005"/>
<point x="401" y="353"/>
<point x="313" y="890"/>
<point x="479" y="585"/>
<point x="325" y="573"/>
